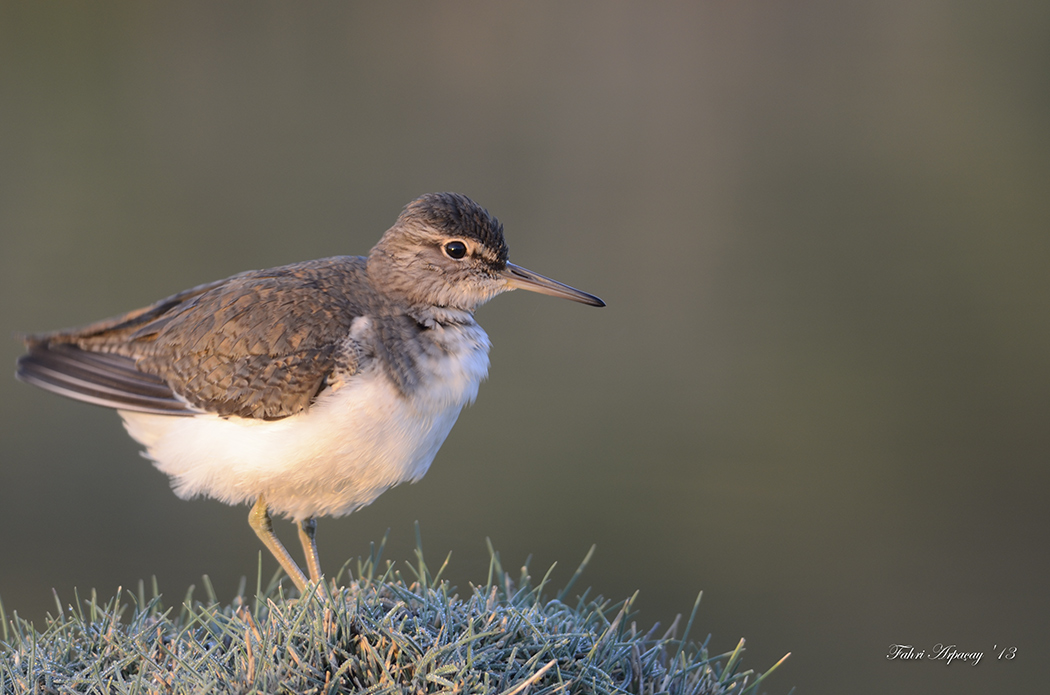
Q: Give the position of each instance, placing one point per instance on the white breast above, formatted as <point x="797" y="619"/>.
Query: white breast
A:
<point x="353" y="443"/>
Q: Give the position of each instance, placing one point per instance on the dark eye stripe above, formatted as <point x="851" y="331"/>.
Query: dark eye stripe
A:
<point x="455" y="250"/>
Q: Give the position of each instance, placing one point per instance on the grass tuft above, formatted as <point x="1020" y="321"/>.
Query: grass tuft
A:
<point x="381" y="632"/>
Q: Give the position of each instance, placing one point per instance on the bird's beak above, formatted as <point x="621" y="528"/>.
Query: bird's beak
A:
<point x="519" y="278"/>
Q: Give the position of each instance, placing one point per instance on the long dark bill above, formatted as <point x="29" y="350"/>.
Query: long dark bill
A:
<point x="519" y="278"/>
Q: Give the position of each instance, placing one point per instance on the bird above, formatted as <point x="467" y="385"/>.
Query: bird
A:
<point x="305" y="390"/>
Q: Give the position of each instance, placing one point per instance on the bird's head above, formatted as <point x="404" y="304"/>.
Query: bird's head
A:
<point x="445" y="250"/>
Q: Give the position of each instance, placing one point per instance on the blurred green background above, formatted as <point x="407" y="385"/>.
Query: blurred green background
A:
<point x="820" y="391"/>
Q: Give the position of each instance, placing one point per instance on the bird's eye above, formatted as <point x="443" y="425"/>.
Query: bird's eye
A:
<point x="455" y="249"/>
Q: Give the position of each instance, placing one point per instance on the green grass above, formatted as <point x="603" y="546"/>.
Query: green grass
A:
<point x="384" y="631"/>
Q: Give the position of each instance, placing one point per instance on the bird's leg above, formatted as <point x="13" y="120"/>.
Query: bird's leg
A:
<point x="307" y="533"/>
<point x="259" y="518"/>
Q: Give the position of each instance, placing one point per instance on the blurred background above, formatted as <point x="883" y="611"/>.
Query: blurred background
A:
<point x="820" y="391"/>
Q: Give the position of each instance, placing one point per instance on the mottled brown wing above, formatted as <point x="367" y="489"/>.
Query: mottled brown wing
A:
<point x="98" y="374"/>
<point x="258" y="345"/>
<point x="104" y="379"/>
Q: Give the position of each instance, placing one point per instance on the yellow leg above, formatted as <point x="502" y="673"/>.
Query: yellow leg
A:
<point x="259" y="519"/>
<point x="307" y="533"/>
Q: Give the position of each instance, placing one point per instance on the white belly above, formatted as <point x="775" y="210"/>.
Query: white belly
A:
<point x="353" y="443"/>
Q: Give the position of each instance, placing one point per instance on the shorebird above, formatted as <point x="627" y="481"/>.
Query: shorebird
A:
<point x="309" y="389"/>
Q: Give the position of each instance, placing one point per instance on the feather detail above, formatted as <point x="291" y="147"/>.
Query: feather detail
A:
<point x="102" y="379"/>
